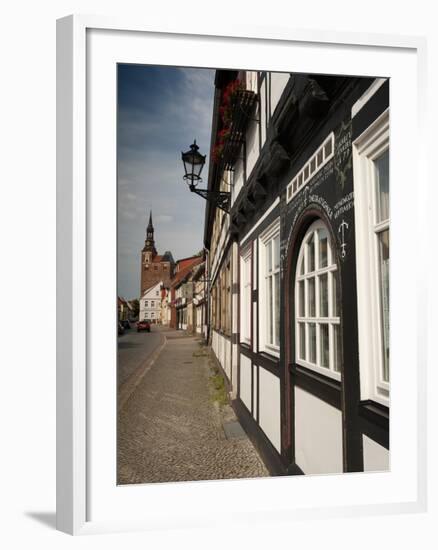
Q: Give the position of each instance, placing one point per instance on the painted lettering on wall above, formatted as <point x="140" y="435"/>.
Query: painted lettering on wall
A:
<point x="344" y="205"/>
<point x="343" y="153"/>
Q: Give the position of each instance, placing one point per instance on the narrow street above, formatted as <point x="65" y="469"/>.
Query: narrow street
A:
<point x="171" y="426"/>
<point x="134" y="348"/>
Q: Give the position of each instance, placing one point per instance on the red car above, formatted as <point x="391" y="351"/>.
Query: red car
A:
<point x="143" y="325"/>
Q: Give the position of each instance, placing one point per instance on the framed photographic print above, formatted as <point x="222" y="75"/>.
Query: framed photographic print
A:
<point x="230" y="332"/>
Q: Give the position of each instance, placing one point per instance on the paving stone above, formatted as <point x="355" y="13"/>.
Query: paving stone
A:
<point x="170" y="429"/>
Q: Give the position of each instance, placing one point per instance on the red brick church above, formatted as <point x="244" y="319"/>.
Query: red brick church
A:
<point x="154" y="267"/>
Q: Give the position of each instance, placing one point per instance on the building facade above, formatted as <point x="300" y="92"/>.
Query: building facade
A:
<point x="154" y="267"/>
<point x="299" y="268"/>
<point x="150" y="304"/>
<point x="180" y="295"/>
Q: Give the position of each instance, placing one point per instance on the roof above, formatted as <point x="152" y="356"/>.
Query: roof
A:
<point x="180" y="276"/>
<point x="160" y="283"/>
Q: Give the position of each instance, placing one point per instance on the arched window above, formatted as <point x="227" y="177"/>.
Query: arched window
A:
<point x="317" y="322"/>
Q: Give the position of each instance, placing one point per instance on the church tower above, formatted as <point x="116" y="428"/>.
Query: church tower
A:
<point x="149" y="250"/>
<point x="154" y="267"/>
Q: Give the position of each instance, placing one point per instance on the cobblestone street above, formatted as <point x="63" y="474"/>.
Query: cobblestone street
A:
<point x="171" y="429"/>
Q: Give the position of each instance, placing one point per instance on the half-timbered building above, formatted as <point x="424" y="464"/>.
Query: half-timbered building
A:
<point x="299" y="266"/>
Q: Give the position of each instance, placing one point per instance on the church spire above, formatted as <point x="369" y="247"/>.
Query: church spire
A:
<point x="150" y="225"/>
<point x="150" y="241"/>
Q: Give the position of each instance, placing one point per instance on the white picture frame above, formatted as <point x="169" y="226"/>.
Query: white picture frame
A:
<point x="77" y="210"/>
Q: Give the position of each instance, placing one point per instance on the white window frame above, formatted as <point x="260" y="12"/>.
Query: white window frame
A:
<point x="371" y="144"/>
<point x="315" y="163"/>
<point x="268" y="235"/>
<point x="331" y="320"/>
<point x="245" y="294"/>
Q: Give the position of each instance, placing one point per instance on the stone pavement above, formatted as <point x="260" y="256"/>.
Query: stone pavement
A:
<point x="171" y="429"/>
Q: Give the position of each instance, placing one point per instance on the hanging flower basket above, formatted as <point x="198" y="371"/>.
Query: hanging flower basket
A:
<point x="233" y="119"/>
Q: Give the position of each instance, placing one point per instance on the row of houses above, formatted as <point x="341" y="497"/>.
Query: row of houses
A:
<point x="127" y="310"/>
<point x="173" y="293"/>
<point x="298" y="268"/>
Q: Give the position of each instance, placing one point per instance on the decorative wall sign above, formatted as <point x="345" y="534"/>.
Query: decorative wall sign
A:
<point x="342" y="230"/>
<point x="343" y="153"/>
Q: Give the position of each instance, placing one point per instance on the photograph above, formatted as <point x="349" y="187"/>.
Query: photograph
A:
<point x="253" y="301"/>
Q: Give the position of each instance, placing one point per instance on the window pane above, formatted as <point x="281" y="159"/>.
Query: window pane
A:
<point x="311" y="297"/>
<point x="269" y="257"/>
<point x="335" y="311"/>
<point x="319" y="157"/>
<point x="323" y="248"/>
<point x="312" y="342"/>
<point x="302" y="335"/>
<point x="311" y="254"/>
<point x="301" y="311"/>
<point x="301" y="269"/>
<point x="277" y="309"/>
<point x="270" y="312"/>
<point x="384" y="289"/>
<point x="276" y="252"/>
<point x="324" y="345"/>
<point x="328" y="148"/>
<point x="382" y="186"/>
<point x="336" y="348"/>
<point x="323" y="295"/>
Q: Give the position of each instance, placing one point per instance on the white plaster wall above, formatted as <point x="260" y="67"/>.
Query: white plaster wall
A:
<point x="237" y="179"/>
<point x="227" y="357"/>
<point x="269" y="407"/>
<point x="254" y="392"/>
<point x="252" y="147"/>
<point x="263" y="112"/>
<point x="375" y="457"/>
<point x="278" y="83"/>
<point x="214" y="342"/>
<point x="318" y="435"/>
<point x="245" y="380"/>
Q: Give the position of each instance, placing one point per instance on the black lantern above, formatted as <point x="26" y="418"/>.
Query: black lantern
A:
<point x="193" y="164"/>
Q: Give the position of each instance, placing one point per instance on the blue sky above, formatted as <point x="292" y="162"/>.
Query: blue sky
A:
<point x="161" y="110"/>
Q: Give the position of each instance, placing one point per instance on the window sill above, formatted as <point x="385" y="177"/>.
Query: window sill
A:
<point x="375" y="412"/>
<point x="269" y="352"/>
<point x="321" y="371"/>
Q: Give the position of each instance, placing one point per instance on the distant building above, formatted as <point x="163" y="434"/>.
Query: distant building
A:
<point x="181" y="293"/>
<point x="154" y="267"/>
<point x="122" y="309"/>
<point x="150" y="304"/>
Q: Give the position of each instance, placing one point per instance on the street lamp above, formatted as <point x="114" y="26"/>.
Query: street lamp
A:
<point x="193" y="164"/>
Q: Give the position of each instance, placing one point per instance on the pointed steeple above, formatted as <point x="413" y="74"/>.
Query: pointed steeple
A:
<point x="150" y="242"/>
<point x="150" y="225"/>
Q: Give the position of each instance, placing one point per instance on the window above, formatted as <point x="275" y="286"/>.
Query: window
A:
<point x="323" y="154"/>
<point x="146" y="303"/>
<point x="317" y="326"/>
<point x="152" y="303"/>
<point x="371" y="189"/>
<point x="245" y="295"/>
<point x="270" y="289"/>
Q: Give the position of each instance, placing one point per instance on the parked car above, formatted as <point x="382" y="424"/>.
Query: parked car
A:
<point x="120" y="329"/>
<point x="126" y="324"/>
<point x="143" y="325"/>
